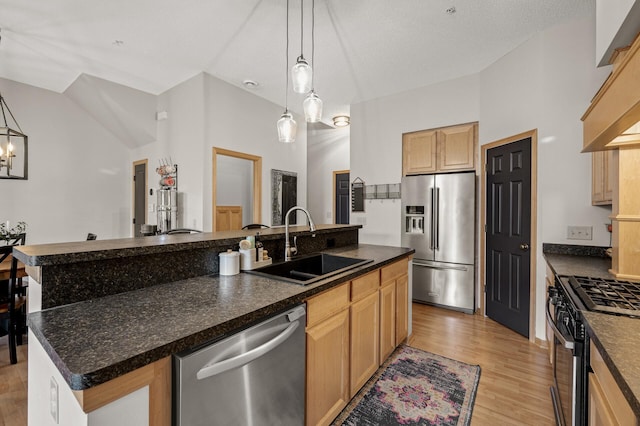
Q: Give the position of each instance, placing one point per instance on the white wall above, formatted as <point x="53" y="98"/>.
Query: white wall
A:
<point x="544" y="84"/>
<point x="617" y="24"/>
<point x="328" y="151"/>
<point x="234" y="186"/>
<point x="547" y="83"/>
<point x="376" y="143"/>
<point x="78" y="171"/>
<point x="236" y="119"/>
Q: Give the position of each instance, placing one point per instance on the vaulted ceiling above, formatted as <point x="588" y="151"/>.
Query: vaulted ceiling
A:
<point x="364" y="49"/>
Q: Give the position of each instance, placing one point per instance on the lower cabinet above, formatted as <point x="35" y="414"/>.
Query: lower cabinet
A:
<point x="364" y="341"/>
<point x="387" y="319"/>
<point x="327" y="355"/>
<point x="351" y="329"/>
<point x="402" y="308"/>
<point x="607" y="403"/>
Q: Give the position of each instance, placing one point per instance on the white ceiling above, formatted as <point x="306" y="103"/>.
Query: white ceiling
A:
<point x="364" y="49"/>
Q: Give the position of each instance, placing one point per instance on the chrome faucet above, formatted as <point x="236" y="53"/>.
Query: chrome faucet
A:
<point x="289" y="251"/>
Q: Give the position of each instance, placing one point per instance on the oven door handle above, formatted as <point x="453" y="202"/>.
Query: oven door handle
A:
<point x="568" y="344"/>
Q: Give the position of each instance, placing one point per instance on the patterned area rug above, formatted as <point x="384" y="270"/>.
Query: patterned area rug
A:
<point x="414" y="387"/>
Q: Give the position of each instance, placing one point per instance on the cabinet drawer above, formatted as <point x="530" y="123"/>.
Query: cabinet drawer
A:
<point x="365" y="285"/>
<point x="612" y="393"/>
<point x="393" y="271"/>
<point x="328" y="303"/>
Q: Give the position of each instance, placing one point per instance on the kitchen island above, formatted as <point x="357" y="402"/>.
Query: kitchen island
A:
<point x="85" y="346"/>
<point x="616" y="338"/>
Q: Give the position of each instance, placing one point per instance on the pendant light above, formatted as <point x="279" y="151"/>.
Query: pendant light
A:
<point x="312" y="104"/>
<point x="287" y="126"/>
<point x="301" y="73"/>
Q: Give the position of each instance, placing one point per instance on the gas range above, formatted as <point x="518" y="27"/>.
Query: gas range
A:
<point x="608" y="295"/>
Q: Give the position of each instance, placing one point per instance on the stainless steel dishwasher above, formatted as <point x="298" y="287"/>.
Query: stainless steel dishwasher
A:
<point x="253" y="377"/>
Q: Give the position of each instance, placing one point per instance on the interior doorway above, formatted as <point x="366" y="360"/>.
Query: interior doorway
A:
<point x="140" y="189"/>
<point x="509" y="241"/>
<point x="341" y="202"/>
<point x="256" y="201"/>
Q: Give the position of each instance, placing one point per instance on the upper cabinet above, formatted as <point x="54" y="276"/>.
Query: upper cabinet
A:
<point x="445" y="149"/>
<point x="602" y="178"/>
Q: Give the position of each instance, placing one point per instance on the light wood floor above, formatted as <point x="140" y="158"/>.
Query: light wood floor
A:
<point x="514" y="382"/>
<point x="516" y="374"/>
<point x="13" y="386"/>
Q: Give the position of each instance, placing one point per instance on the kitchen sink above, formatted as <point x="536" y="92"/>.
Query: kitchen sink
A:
<point x="309" y="269"/>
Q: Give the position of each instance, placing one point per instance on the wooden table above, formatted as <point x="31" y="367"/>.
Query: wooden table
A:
<point x="5" y="267"/>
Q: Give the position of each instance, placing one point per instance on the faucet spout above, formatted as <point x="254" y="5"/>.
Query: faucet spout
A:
<point x="289" y="251"/>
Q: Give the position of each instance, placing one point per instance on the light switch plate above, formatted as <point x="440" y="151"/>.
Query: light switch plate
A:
<point x="579" y="233"/>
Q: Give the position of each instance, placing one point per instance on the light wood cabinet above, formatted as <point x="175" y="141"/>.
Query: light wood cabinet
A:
<point x="394" y="306"/>
<point x="327" y="355"/>
<point x="445" y="149"/>
<point x="602" y="178"/>
<point x="364" y="340"/>
<point x="345" y="337"/>
<point x="419" y="152"/>
<point x="228" y="218"/>
<point x="607" y="404"/>
<point x="387" y="319"/>
<point x="402" y="308"/>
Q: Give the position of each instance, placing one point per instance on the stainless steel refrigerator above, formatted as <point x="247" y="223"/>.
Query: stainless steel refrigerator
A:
<point x="438" y="221"/>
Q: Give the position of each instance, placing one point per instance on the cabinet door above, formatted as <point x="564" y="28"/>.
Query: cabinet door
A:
<point x="364" y="340"/>
<point x="600" y="413"/>
<point x="597" y="178"/>
<point x="228" y="218"/>
<point x="456" y="147"/>
<point x="402" y="308"/>
<point x="387" y="319"/>
<point x="327" y="369"/>
<point x="603" y="176"/>
<point x="610" y="175"/>
<point x="419" y="152"/>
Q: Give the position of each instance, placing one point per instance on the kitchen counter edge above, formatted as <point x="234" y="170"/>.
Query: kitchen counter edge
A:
<point x="89" y="372"/>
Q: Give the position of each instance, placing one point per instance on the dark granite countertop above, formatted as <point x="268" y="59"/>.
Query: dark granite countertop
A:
<point x="617" y="338"/>
<point x="98" y="340"/>
<point x="84" y="251"/>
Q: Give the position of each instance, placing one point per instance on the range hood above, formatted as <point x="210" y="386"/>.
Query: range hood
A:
<point x="613" y="118"/>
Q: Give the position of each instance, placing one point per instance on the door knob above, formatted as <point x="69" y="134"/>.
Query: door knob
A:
<point x="524" y="246"/>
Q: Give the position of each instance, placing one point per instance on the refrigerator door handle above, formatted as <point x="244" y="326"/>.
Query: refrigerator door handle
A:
<point x="437" y="219"/>
<point x="426" y="265"/>
<point x="431" y="236"/>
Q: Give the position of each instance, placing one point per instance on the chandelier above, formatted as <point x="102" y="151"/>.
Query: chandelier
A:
<point x="13" y="146"/>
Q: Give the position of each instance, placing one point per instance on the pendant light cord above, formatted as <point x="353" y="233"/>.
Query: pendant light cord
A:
<point x="286" y="70"/>
<point x="313" y="42"/>
<point x="301" y="27"/>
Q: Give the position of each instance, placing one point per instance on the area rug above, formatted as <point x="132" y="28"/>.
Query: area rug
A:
<point x="414" y="387"/>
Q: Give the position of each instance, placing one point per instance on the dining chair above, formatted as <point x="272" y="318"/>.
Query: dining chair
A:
<point x="12" y="304"/>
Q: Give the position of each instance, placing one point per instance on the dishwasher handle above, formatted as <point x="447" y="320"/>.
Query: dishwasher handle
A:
<point x="247" y="357"/>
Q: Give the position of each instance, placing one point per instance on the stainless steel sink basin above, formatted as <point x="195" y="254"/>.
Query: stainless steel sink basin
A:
<point x="309" y="269"/>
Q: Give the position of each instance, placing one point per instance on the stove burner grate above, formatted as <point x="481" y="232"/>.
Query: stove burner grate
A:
<point x="608" y="295"/>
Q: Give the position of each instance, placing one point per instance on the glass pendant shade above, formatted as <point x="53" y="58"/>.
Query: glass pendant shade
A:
<point x="302" y="75"/>
<point x="312" y="107"/>
<point x="287" y="128"/>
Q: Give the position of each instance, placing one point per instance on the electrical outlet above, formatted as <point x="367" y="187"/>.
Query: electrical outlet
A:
<point x="579" y="232"/>
<point x="53" y="399"/>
